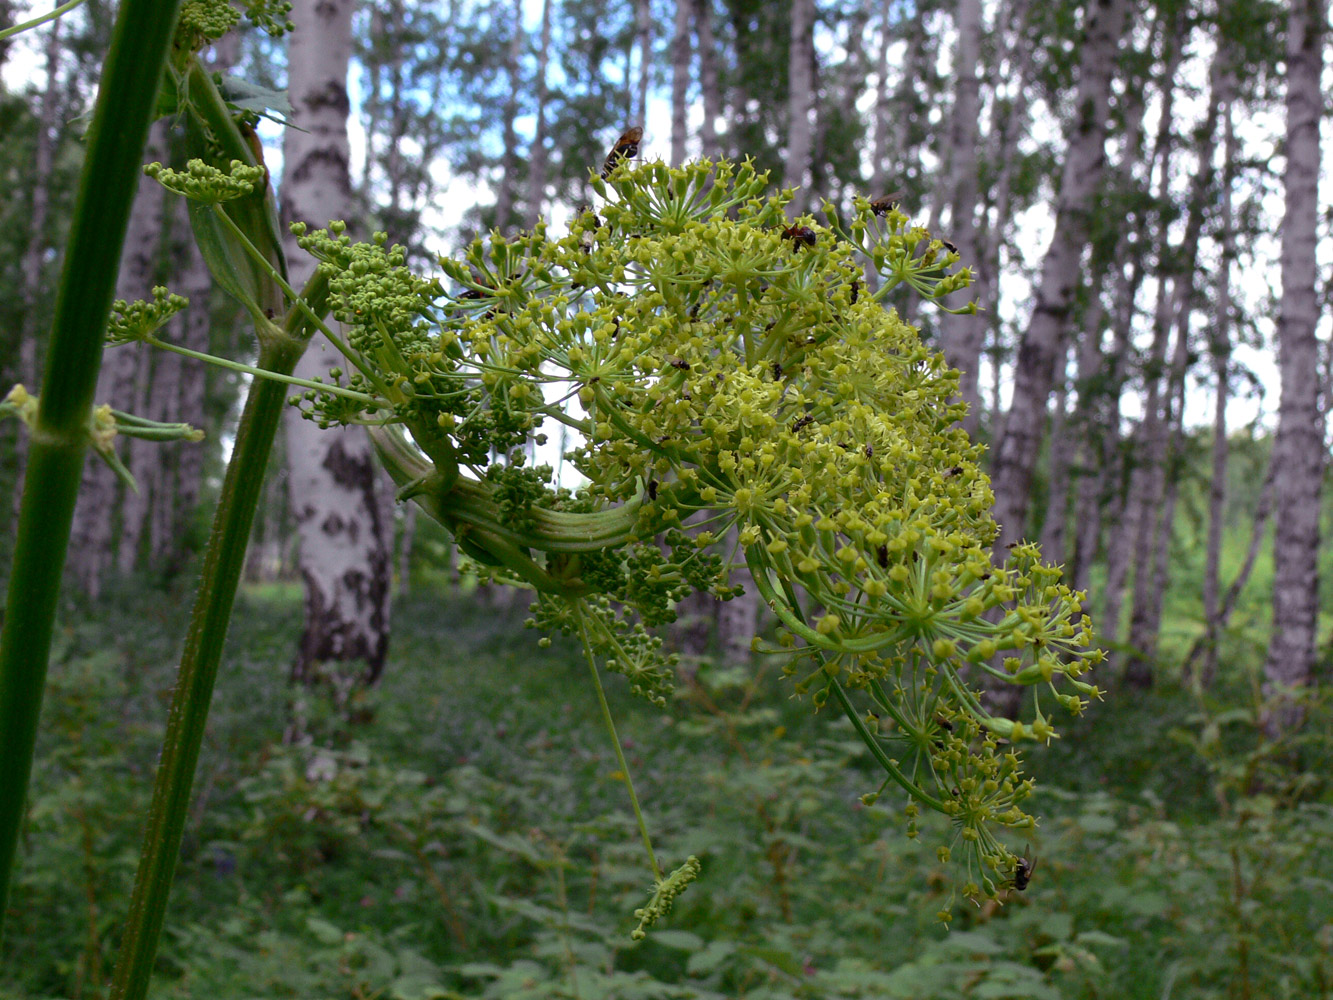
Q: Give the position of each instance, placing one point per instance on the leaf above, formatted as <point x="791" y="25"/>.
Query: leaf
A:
<point x="679" y="940"/>
<point x="249" y="96"/>
<point x="1016" y="983"/>
<point x="417" y="986"/>
<point x="511" y="842"/>
<point x="1146" y="904"/>
<point x="1097" y="823"/>
<point x="1102" y="938"/>
<point x="703" y="962"/>
<point x="1057" y="925"/>
<point x="325" y="932"/>
<point x="972" y="942"/>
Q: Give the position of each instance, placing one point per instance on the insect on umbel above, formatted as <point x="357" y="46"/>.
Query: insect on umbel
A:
<point x="800" y="236"/>
<point x="626" y="147"/>
<point x="1022" y="871"/>
<point x="882" y="205"/>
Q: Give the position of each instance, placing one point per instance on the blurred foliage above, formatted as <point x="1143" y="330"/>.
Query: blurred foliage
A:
<point x="475" y="843"/>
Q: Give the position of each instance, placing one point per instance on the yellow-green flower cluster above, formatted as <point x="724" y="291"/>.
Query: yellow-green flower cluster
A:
<point x="731" y="367"/>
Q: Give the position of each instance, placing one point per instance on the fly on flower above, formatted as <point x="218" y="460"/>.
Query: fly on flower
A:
<point x="626" y="147"/>
<point x="1022" y="873"/>
<point x="883" y="205"/>
<point x="591" y="224"/>
<point x="800" y="236"/>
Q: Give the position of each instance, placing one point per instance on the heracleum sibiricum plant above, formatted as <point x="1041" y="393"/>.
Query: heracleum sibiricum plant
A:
<point x="722" y="366"/>
<point x="727" y="368"/>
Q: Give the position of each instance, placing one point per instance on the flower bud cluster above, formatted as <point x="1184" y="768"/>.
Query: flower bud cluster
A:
<point x="138" y="320"/>
<point x="730" y="367"/>
<point x="203" y="21"/>
<point x="207" y="184"/>
<point x="664" y="896"/>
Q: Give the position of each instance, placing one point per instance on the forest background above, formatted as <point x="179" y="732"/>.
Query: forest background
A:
<point x="1136" y="189"/>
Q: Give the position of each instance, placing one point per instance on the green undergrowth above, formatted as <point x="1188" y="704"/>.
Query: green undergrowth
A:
<point x="473" y="840"/>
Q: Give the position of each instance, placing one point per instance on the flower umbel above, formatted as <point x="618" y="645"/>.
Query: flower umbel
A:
<point x="724" y="364"/>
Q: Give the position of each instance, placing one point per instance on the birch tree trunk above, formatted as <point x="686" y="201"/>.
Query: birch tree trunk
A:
<point x="191" y="329"/>
<point x="738" y="618"/>
<point x="343" y="556"/>
<point x="800" y="101"/>
<point x="93" y="540"/>
<point x="680" y="81"/>
<point x="1161" y="436"/>
<point x="35" y="314"/>
<point x="507" y="188"/>
<point x="1087" y="471"/>
<point x="1085" y="162"/>
<point x="537" y="155"/>
<point x="1108" y="453"/>
<point x="881" y="127"/>
<point x="708" y="85"/>
<point x="643" y="25"/>
<point x="1057" y="477"/>
<point x="1007" y="124"/>
<point x="1219" y="346"/>
<point x="961" y="334"/>
<point x="1145" y="482"/>
<point x="1299" y="446"/>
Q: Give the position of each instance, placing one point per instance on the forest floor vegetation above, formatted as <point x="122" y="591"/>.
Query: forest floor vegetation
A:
<point x="474" y="840"/>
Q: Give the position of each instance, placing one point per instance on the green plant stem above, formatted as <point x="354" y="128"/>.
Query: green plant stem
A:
<point x="223" y="562"/>
<point x="36" y="22"/>
<point x="260" y="372"/>
<point x="125" y="104"/>
<point x="620" y="753"/>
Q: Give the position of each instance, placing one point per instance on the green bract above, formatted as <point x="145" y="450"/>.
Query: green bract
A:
<point x="724" y="366"/>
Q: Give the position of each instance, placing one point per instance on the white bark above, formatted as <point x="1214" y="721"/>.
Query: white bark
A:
<point x="1088" y="453"/>
<point x="34" y="254"/>
<point x="800" y="102"/>
<point x="1298" y="449"/>
<point x="507" y="189"/>
<point x="1085" y="162"/>
<point x="643" y="26"/>
<point x="738" y="618"/>
<point x="191" y="330"/>
<point x="342" y="552"/>
<point x="680" y="81"/>
<point x="537" y="152"/>
<point x="960" y="334"/>
<point x="93" y="541"/>
<point x="1008" y="123"/>
<point x="1161" y="425"/>
<point x="1101" y="409"/>
<point x="1219" y="346"/>
<point x="1057" y="479"/>
<point x="711" y="92"/>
